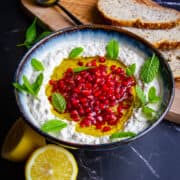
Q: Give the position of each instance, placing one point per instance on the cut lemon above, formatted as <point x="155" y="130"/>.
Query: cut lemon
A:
<point x="51" y="162"/>
<point x="20" y="142"/>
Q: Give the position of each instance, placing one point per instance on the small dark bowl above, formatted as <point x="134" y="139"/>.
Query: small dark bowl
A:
<point x="97" y="33"/>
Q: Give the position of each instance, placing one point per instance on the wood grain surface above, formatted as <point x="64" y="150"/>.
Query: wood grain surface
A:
<point x="54" y="19"/>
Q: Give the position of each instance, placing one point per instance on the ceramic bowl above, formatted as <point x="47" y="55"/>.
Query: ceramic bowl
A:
<point x="87" y="33"/>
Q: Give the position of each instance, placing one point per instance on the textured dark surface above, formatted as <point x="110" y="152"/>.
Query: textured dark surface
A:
<point x="155" y="156"/>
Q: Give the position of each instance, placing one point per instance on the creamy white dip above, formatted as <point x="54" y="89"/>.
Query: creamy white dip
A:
<point x="40" y="108"/>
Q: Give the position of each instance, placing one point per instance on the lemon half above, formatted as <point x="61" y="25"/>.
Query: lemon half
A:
<point x="20" y="142"/>
<point x="51" y="162"/>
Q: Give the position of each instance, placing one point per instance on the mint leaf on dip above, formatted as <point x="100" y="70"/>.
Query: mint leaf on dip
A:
<point x="140" y="95"/>
<point x="150" y="69"/>
<point x="130" y="70"/>
<point x="37" y="65"/>
<point x="58" y="102"/>
<point x="122" y="135"/>
<point x="152" y="97"/>
<point x="82" y="68"/>
<point x="53" y="125"/>
<point x="148" y="111"/>
<point x="112" y="49"/>
<point x="76" y="52"/>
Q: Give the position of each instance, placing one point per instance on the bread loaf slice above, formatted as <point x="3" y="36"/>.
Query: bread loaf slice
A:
<point x="138" y="13"/>
<point x="173" y="58"/>
<point x="162" y="39"/>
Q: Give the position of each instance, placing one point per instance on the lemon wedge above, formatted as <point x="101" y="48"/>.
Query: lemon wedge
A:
<point x="51" y="162"/>
<point x="20" y="142"/>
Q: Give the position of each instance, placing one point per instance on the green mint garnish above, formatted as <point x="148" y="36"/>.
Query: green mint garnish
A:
<point x="37" y="84"/>
<point x="37" y="65"/>
<point x="42" y="35"/>
<point x="130" y="70"/>
<point x="112" y="49"/>
<point x="58" y="102"/>
<point x="140" y="95"/>
<point x="31" y="35"/>
<point x="53" y="125"/>
<point x="19" y="87"/>
<point x="122" y="135"/>
<point x="76" y="52"/>
<point x="148" y="112"/>
<point x="150" y="69"/>
<point x="29" y="88"/>
<point x="152" y="97"/>
<point x="82" y="68"/>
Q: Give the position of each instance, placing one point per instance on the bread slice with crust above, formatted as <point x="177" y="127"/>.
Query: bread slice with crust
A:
<point x="173" y="58"/>
<point x="164" y="39"/>
<point x="138" y="13"/>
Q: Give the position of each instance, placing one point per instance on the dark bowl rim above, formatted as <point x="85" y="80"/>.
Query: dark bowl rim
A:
<point x="104" y="145"/>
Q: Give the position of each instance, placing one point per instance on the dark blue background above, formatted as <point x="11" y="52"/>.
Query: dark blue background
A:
<point x="155" y="156"/>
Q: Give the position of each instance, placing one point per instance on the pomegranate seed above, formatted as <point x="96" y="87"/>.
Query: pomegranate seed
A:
<point x="86" y="92"/>
<point x="106" y="128"/>
<point x="93" y="62"/>
<point x="102" y="59"/>
<point x="80" y="63"/>
<point x="98" y="126"/>
<point x="113" y="67"/>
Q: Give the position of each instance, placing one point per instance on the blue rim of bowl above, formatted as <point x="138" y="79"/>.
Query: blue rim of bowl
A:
<point x="110" y="145"/>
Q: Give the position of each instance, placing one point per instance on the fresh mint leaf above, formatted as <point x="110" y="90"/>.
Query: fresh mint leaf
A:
<point x="76" y="52"/>
<point x="19" y="87"/>
<point x="122" y="135"/>
<point x="140" y="95"/>
<point x="53" y="125"/>
<point x="37" y="65"/>
<point x="42" y="35"/>
<point x="152" y="97"/>
<point x="28" y="86"/>
<point x="58" y="102"/>
<point x="31" y="33"/>
<point x="82" y="68"/>
<point x="112" y="49"/>
<point x="37" y="84"/>
<point x="149" y="69"/>
<point x="130" y="70"/>
<point x="148" y="111"/>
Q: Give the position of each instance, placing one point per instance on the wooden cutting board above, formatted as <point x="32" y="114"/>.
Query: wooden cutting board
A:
<point x="54" y="19"/>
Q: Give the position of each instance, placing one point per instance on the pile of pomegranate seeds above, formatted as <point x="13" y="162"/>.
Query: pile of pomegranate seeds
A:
<point x="96" y="96"/>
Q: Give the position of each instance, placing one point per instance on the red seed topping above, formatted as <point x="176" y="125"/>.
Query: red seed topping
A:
<point x="91" y="94"/>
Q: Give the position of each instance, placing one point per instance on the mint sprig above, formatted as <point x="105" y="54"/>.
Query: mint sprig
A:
<point x="130" y="70"/>
<point x="122" y="135"/>
<point x="37" y="65"/>
<point x="82" y="68"/>
<point x="76" y="52"/>
<point x="31" y="35"/>
<point x="30" y="88"/>
<point x="58" y="102"/>
<point x="140" y="95"/>
<point x="148" y="112"/>
<point x="152" y="97"/>
<point x="149" y="69"/>
<point x="53" y="125"/>
<point x="112" y="49"/>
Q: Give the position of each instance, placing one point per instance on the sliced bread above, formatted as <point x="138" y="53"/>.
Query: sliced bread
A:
<point x="162" y="39"/>
<point x="138" y="13"/>
<point x="173" y="58"/>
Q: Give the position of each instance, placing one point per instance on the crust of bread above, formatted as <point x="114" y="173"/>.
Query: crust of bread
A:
<point x="173" y="58"/>
<point x="167" y="45"/>
<point x="139" y="23"/>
